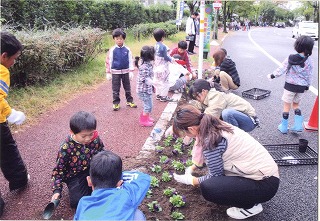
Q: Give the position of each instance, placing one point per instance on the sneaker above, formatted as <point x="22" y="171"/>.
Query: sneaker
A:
<point x="158" y="97"/>
<point x="116" y="107"/>
<point x="165" y="99"/>
<point x="131" y="104"/>
<point x="240" y="213"/>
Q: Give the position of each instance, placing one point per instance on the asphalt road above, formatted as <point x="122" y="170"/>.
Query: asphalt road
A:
<point x="257" y="53"/>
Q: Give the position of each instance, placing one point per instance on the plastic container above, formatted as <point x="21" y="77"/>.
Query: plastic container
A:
<point x="256" y="93"/>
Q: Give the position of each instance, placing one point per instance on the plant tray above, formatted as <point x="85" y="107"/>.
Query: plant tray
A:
<point x="256" y="93"/>
<point x="288" y="155"/>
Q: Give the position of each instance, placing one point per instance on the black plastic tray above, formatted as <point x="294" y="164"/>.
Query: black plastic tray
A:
<point x="288" y="155"/>
<point x="256" y="93"/>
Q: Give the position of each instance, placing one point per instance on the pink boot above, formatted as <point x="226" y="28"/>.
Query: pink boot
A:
<point x="144" y="121"/>
<point x="150" y="118"/>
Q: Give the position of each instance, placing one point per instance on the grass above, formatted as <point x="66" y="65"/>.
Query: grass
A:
<point x="38" y="99"/>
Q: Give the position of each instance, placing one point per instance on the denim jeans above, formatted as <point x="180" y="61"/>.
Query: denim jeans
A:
<point x="238" y="119"/>
<point x="147" y="102"/>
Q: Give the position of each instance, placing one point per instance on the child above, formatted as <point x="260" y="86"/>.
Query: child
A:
<point x="298" y="69"/>
<point x="116" y="195"/>
<point x="225" y="71"/>
<point x="144" y="84"/>
<point x="161" y="66"/>
<point x="12" y="165"/>
<point x="182" y="51"/>
<point x="74" y="156"/>
<point x="119" y="67"/>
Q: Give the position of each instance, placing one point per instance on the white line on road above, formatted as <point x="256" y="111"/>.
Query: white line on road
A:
<point x="311" y="88"/>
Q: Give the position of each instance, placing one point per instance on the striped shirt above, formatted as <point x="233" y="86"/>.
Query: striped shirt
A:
<point x="214" y="160"/>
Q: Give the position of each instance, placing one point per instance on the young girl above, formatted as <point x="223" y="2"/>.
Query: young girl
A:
<point x="144" y="84"/>
<point x="242" y="173"/>
<point x="298" y="69"/>
<point x="161" y="66"/>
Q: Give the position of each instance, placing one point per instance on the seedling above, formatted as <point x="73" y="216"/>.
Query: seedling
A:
<point x="156" y="168"/>
<point x="149" y="193"/>
<point x="177" y="149"/>
<point x="189" y="163"/>
<point x="169" y="191"/>
<point x="177" y="165"/>
<point x="154" y="206"/>
<point x="177" y="201"/>
<point x="179" y="140"/>
<point x="164" y="159"/>
<point x="154" y="181"/>
<point x="167" y="141"/>
<point x="159" y="149"/>
<point x="166" y="177"/>
<point x="177" y="215"/>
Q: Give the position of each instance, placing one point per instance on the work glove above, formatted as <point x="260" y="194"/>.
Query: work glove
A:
<point x="270" y="76"/>
<point x="16" y="117"/>
<point x="189" y="170"/>
<point x="109" y="76"/>
<point x="185" y="178"/>
<point x="130" y="76"/>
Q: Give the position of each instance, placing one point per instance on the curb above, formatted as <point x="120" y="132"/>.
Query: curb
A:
<point x="160" y="128"/>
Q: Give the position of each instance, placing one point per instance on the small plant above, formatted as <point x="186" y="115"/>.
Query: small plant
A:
<point x="164" y="159"/>
<point x="166" y="177"/>
<point x="177" y="201"/>
<point x="168" y="140"/>
<point x="179" y="140"/>
<point x="169" y="191"/>
<point x="159" y="149"/>
<point x="154" y="206"/>
<point x="189" y="163"/>
<point x="154" y="181"/>
<point x="177" y="215"/>
<point x="177" y="165"/>
<point x="177" y="149"/>
<point x="156" y="168"/>
<point x="149" y="193"/>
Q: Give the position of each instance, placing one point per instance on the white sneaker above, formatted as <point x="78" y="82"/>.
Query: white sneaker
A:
<point x="240" y="213"/>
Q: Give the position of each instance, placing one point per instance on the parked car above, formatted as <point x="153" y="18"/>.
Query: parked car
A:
<point x="280" y="25"/>
<point x="306" y="28"/>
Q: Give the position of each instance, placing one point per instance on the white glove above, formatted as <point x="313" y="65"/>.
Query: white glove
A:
<point x="130" y="76"/>
<point x="109" y="76"/>
<point x="189" y="170"/>
<point x="16" y="117"/>
<point x="185" y="178"/>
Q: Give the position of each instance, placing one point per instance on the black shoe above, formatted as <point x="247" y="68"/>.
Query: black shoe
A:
<point x="1" y="206"/>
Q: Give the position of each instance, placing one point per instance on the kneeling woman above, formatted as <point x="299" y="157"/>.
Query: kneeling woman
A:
<point x="242" y="173"/>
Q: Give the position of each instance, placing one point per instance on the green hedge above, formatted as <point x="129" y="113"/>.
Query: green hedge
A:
<point x="146" y="30"/>
<point x="52" y="52"/>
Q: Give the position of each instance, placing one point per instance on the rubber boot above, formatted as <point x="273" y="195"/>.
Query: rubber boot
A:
<point x="283" y="127"/>
<point x="150" y="118"/>
<point x="144" y="121"/>
<point x="298" y="121"/>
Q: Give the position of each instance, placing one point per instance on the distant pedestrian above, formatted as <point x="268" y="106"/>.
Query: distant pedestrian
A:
<point x="191" y="30"/>
<point x="298" y="69"/>
<point x="116" y="194"/>
<point x="225" y="73"/>
<point x="242" y="174"/>
<point x="161" y="66"/>
<point x="145" y="84"/>
<point x="12" y="165"/>
<point x="119" y="68"/>
<point x="74" y="157"/>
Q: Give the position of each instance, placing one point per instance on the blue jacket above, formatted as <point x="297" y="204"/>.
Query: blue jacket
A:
<point x="115" y="203"/>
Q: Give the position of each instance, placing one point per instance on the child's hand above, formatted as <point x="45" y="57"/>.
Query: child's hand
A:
<point x="55" y="196"/>
<point x="16" y="117"/>
<point x="109" y="76"/>
<point x="130" y="76"/>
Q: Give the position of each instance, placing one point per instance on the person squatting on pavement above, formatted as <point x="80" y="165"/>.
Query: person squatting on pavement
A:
<point x="242" y="173"/>
<point x="298" y="70"/>
<point x="116" y="194"/>
<point x="119" y="68"/>
<point x="74" y="157"/>
<point x="12" y="165"/>
<point x="145" y="84"/>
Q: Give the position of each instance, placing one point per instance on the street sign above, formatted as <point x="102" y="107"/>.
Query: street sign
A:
<point x="217" y="5"/>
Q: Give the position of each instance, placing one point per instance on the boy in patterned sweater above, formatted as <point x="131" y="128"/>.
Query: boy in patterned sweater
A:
<point x="74" y="156"/>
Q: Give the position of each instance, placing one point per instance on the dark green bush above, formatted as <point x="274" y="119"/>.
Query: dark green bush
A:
<point x="48" y="53"/>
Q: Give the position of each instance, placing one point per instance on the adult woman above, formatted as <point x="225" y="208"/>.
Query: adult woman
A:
<point x="241" y="171"/>
<point x="228" y="106"/>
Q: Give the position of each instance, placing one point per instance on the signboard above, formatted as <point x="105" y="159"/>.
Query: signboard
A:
<point x="217" y="5"/>
<point x="180" y="5"/>
<point x="207" y="26"/>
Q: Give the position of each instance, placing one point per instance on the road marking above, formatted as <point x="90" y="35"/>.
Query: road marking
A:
<point x="311" y="88"/>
